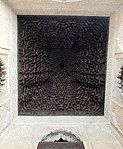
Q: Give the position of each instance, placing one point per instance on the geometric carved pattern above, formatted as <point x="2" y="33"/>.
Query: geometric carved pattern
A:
<point x="120" y="79"/>
<point x="62" y="65"/>
<point x="57" y="135"/>
<point x="2" y="73"/>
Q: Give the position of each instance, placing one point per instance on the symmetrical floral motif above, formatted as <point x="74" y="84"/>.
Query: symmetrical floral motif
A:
<point x="62" y="65"/>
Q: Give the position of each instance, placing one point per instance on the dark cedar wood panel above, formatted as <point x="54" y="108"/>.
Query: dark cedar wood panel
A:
<point x="62" y="65"/>
<point x="68" y="145"/>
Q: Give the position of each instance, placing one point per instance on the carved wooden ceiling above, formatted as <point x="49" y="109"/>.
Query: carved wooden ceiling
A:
<point x="82" y="7"/>
<point x="62" y="65"/>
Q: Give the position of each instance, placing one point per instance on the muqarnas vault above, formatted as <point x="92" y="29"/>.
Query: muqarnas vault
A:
<point x="62" y="65"/>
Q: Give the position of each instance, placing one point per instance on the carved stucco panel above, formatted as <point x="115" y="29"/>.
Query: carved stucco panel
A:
<point x="4" y="89"/>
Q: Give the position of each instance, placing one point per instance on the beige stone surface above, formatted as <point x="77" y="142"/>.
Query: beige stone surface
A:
<point x="117" y="116"/>
<point x="4" y="116"/>
<point x="13" y="69"/>
<point x="49" y="7"/>
<point x="60" y="120"/>
<point x="110" y="75"/>
<point x="4" y="26"/>
<point x="119" y="30"/>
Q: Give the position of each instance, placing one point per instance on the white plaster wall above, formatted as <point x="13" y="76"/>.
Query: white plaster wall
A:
<point x="81" y="8"/>
<point x="110" y="66"/>
<point x="114" y="98"/>
<point x="4" y="26"/>
<point x="8" y="47"/>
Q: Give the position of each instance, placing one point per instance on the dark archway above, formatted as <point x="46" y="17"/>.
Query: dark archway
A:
<point x="61" y="139"/>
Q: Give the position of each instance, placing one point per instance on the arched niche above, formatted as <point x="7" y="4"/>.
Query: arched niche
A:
<point x="61" y="135"/>
<point x="61" y="139"/>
